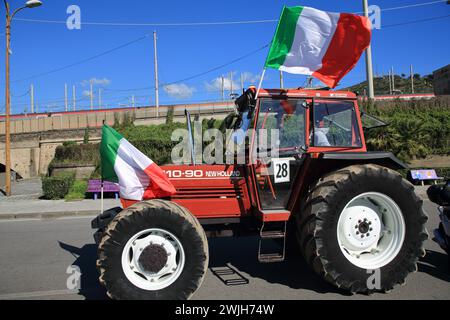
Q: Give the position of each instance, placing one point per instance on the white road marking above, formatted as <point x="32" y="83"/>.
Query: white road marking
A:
<point x="47" y="219"/>
<point x="35" y="294"/>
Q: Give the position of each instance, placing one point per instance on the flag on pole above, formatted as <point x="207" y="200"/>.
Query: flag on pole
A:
<point x="139" y="177"/>
<point x="323" y="44"/>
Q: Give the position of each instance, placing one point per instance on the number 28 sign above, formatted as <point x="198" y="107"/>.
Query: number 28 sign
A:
<point x="281" y="172"/>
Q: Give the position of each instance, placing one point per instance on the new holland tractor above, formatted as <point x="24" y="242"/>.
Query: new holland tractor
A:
<point x="346" y="210"/>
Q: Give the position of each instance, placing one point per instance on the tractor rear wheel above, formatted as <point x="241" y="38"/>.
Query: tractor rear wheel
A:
<point x="362" y="228"/>
<point x="153" y="250"/>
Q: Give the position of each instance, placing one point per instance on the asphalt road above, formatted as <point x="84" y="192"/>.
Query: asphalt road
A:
<point x="36" y="258"/>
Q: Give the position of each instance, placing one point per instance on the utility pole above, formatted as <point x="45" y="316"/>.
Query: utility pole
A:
<point x="74" y="99"/>
<point x="281" y="80"/>
<point x="99" y="98"/>
<point x="369" y="69"/>
<point x="9" y="17"/>
<point x="31" y="98"/>
<point x="223" y="88"/>
<point x="7" y="106"/>
<point x="156" y="74"/>
<point x="92" y="95"/>
<point x="231" y="84"/>
<point x="389" y="78"/>
<point x="66" y="104"/>
<point x="393" y="80"/>
<point x="242" y="82"/>
<point x="412" y="79"/>
<point x="132" y="101"/>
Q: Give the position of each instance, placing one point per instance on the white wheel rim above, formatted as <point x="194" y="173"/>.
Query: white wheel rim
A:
<point x="136" y="272"/>
<point x="371" y="230"/>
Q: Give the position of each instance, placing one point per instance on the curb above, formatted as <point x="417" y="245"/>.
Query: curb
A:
<point x="48" y="215"/>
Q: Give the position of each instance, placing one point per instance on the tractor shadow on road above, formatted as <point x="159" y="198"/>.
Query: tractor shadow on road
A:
<point x="86" y="257"/>
<point x="436" y="264"/>
<point x="241" y="253"/>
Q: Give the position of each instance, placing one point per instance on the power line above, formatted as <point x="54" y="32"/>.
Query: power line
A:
<point x="198" y="74"/>
<point x="414" y="5"/>
<point x="175" y="24"/>
<point x="212" y="23"/>
<point x="82" y="61"/>
<point x="414" y="21"/>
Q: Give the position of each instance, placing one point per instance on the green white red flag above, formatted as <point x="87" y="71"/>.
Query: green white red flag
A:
<point x="139" y="177"/>
<point x="326" y="45"/>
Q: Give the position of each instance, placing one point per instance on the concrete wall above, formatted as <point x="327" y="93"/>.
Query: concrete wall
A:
<point x="32" y="153"/>
<point x="34" y="123"/>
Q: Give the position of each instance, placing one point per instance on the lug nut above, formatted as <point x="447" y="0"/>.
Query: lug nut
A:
<point x="362" y="236"/>
<point x="370" y="222"/>
<point x="370" y="229"/>
<point x="357" y="232"/>
<point x="368" y="234"/>
<point x="359" y="221"/>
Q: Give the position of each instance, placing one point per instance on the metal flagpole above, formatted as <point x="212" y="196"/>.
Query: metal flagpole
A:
<point x="101" y="196"/>
<point x="260" y="83"/>
<point x="101" y="187"/>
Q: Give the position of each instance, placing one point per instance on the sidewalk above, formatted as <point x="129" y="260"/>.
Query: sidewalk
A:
<point x="17" y="208"/>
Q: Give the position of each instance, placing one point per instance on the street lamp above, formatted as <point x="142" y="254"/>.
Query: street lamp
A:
<point x="9" y="17"/>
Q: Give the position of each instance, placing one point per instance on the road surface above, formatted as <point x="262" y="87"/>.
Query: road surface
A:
<point x="37" y="259"/>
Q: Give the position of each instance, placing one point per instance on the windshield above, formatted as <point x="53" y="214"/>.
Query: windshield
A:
<point x="287" y="117"/>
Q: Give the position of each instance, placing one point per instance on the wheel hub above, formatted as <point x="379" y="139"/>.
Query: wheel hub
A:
<point x="371" y="230"/>
<point x="362" y="228"/>
<point x="153" y="258"/>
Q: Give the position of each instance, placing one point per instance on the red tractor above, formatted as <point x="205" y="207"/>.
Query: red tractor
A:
<point x="347" y="210"/>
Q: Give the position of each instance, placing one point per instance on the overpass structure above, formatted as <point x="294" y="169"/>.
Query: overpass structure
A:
<point x="34" y="137"/>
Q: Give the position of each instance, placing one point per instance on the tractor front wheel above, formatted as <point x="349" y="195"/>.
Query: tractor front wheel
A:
<point x="153" y="250"/>
<point x="362" y="228"/>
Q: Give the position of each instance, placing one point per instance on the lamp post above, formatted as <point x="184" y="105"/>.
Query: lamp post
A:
<point x="9" y="17"/>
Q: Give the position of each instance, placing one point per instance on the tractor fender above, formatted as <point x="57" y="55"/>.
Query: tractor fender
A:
<point x="385" y="159"/>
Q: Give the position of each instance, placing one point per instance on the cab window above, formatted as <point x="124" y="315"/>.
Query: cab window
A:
<point x="335" y="124"/>
<point x="288" y="116"/>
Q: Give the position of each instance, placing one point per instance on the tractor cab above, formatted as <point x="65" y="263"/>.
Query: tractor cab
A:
<point x="288" y="126"/>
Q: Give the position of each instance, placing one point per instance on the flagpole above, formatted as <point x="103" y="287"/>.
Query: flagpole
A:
<point x="101" y="201"/>
<point x="101" y="187"/>
<point x="260" y="83"/>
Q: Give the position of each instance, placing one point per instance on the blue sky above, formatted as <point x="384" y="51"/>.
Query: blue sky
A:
<point x="184" y="51"/>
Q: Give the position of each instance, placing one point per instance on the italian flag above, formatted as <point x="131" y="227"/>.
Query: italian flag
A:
<point x="139" y="177"/>
<point x="323" y="44"/>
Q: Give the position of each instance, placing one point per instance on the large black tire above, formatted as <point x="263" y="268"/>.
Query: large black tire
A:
<point x="318" y="220"/>
<point x="159" y="214"/>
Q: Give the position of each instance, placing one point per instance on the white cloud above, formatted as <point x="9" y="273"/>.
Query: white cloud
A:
<point x="247" y="77"/>
<point x="86" y="93"/>
<point x="216" y="84"/>
<point x="250" y="78"/>
<point x="96" y="81"/>
<point x="179" y="90"/>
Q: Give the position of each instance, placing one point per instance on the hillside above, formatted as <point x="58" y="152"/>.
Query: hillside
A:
<point x="402" y="82"/>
